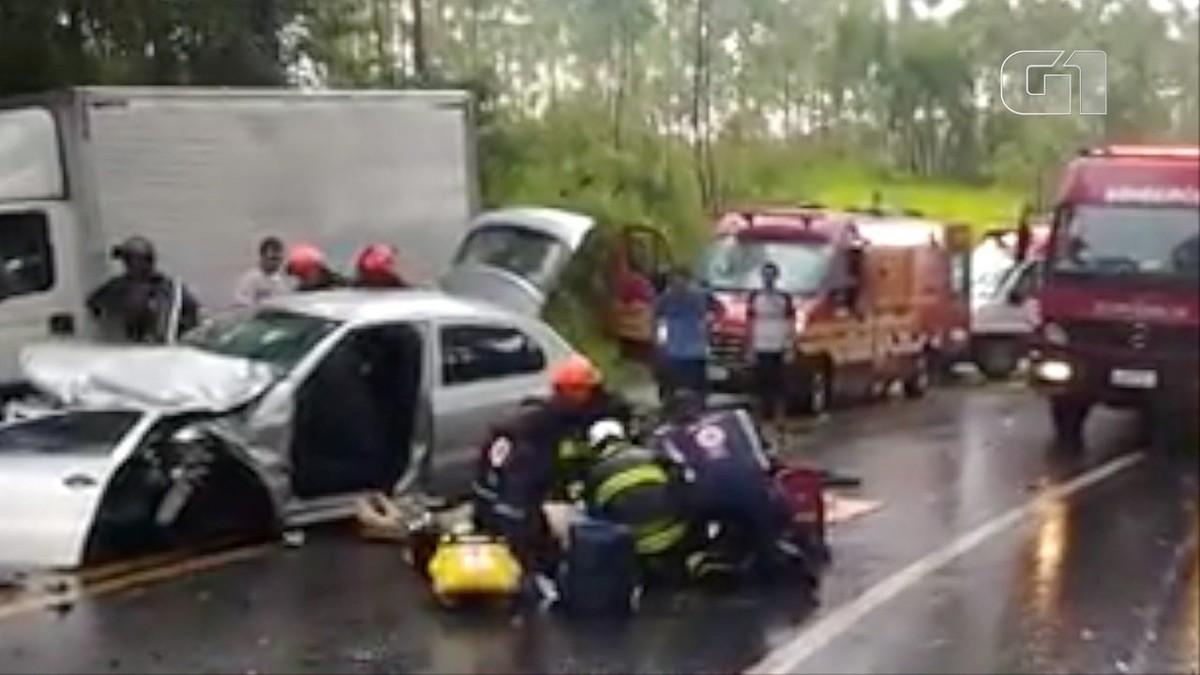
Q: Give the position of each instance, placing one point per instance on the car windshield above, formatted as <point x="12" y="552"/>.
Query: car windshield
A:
<point x="1130" y="241"/>
<point x="524" y="252"/>
<point x="733" y="264"/>
<point x="272" y="336"/>
<point x="76" y="432"/>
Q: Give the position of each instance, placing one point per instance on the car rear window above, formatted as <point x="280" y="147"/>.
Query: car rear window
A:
<point x="77" y="432"/>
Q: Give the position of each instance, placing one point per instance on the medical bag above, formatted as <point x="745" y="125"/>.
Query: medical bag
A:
<point x="801" y="490"/>
<point x="599" y="574"/>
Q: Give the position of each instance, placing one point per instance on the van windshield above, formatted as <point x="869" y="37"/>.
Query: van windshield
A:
<point x="733" y="264"/>
<point x="531" y="255"/>
<point x="272" y="336"/>
<point x="1130" y="241"/>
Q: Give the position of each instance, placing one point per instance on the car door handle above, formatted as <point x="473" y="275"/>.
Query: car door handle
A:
<point x="61" y="324"/>
<point x="79" y="481"/>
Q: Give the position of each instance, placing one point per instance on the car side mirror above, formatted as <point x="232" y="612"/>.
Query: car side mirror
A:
<point x="1016" y="296"/>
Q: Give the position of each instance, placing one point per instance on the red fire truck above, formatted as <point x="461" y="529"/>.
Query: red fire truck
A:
<point x="1118" y="308"/>
<point x="858" y="294"/>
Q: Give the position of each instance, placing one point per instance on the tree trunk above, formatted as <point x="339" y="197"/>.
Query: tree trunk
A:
<point x="700" y="102"/>
<point x="419" y="53"/>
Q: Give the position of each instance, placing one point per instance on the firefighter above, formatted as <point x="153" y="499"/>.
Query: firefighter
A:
<point x="533" y="458"/>
<point x="728" y="473"/>
<point x="376" y="268"/>
<point x="628" y="484"/>
<point x="307" y="264"/>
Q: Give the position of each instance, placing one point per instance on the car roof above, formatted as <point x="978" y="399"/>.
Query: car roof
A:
<point x="375" y="305"/>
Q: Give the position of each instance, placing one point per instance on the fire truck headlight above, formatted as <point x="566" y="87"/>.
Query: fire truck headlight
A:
<point x="1053" y="371"/>
<point x="1055" y="334"/>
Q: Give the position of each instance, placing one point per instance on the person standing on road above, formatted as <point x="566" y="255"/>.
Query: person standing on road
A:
<point x="142" y="304"/>
<point x="682" y="314"/>
<point x="771" y="322"/>
<point x="266" y="279"/>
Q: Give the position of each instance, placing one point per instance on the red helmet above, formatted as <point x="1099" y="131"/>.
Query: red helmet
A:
<point x="377" y="259"/>
<point x="305" y="260"/>
<point x="575" y="377"/>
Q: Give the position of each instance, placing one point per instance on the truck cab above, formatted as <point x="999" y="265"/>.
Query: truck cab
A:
<point x="1118" y="308"/>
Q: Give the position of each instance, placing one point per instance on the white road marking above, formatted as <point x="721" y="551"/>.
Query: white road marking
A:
<point x="788" y="657"/>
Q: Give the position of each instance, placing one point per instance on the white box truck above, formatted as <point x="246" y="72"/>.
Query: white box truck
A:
<point x="205" y="174"/>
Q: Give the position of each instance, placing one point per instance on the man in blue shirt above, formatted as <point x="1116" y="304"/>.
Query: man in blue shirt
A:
<point x="681" y="316"/>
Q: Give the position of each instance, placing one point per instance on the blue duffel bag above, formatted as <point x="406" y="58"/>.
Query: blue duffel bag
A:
<point x="599" y="575"/>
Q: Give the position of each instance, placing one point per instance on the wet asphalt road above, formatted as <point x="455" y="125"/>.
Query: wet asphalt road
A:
<point x="1103" y="581"/>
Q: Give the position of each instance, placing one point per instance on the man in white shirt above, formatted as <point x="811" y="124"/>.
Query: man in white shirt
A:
<point x="266" y="279"/>
<point x="771" y="323"/>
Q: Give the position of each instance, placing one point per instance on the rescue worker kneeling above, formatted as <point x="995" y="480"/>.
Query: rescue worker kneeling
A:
<point x="534" y="456"/>
<point x="629" y="485"/>
<point x="728" y="474"/>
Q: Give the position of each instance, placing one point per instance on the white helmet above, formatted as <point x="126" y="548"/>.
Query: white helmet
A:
<point x="606" y="431"/>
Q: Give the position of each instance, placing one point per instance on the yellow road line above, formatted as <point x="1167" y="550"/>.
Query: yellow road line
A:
<point x="138" y="575"/>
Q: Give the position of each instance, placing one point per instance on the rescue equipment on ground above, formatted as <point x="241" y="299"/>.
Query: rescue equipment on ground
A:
<point x="599" y="575"/>
<point x="469" y="564"/>
<point x="801" y="489"/>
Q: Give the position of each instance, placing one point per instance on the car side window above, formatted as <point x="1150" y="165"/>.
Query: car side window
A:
<point x="474" y="353"/>
<point x="26" y="254"/>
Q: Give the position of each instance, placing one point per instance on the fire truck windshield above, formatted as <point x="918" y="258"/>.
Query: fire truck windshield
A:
<point x="1130" y="241"/>
<point x="732" y="264"/>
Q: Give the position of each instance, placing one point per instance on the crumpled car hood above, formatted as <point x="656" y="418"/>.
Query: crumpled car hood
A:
<point x="143" y="377"/>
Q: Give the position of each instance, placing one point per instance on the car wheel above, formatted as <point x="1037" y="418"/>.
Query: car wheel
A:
<point x="997" y="358"/>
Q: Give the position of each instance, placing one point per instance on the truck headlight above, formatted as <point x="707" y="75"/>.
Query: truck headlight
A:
<point x="1053" y="371"/>
<point x="1055" y="334"/>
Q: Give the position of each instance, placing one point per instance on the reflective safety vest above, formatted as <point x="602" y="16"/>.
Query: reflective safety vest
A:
<point x="628" y="485"/>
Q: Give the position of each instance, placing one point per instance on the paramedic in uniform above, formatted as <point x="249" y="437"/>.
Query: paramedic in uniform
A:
<point x="531" y="458"/>
<point x="771" y="324"/>
<point x="728" y="476"/>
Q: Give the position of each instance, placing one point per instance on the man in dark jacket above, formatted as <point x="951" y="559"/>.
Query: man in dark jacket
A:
<point x="142" y="304"/>
<point x="534" y="456"/>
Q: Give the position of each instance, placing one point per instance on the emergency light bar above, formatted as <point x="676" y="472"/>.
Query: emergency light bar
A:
<point x="1179" y="152"/>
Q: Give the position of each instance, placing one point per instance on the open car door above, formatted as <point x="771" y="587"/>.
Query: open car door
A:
<point x="515" y="257"/>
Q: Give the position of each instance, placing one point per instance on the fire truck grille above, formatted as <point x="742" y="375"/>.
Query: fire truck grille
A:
<point x="1138" y="337"/>
<point x="724" y="347"/>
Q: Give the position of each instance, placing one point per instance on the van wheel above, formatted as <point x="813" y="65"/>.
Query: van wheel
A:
<point x="917" y="382"/>
<point x="997" y="359"/>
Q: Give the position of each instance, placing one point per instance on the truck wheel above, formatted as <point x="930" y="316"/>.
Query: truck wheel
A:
<point x="917" y="383"/>
<point x="1069" y="415"/>
<point x="997" y="359"/>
